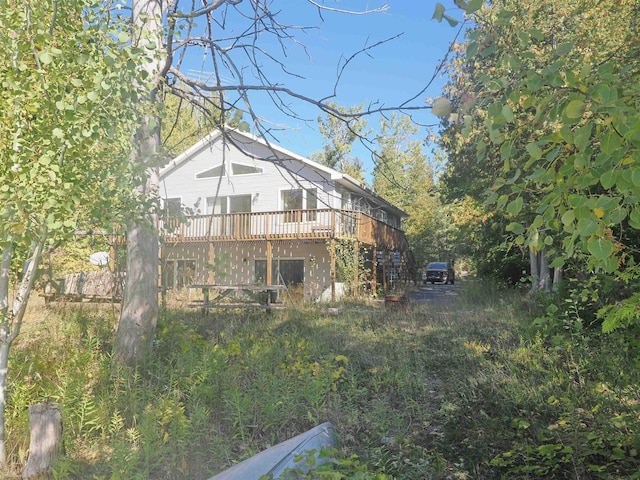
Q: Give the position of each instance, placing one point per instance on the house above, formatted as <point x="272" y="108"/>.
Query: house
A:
<point x="239" y="210"/>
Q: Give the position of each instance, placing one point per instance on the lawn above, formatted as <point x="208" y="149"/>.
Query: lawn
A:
<point x="461" y="390"/>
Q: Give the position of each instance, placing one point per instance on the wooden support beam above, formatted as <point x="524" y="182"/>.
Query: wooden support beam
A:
<point x="332" y="253"/>
<point x="385" y="259"/>
<point x="211" y="258"/>
<point x="356" y="260"/>
<point x="269" y="262"/>
<point x="374" y="276"/>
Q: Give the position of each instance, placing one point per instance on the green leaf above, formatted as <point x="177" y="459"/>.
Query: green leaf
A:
<point x="568" y="217"/>
<point x="582" y="137"/>
<point x="587" y="227"/>
<point x="93" y="96"/>
<point x="610" y="142"/>
<point x="452" y="21"/>
<point x="634" y="218"/>
<point x="45" y="57"/>
<point x="601" y="248"/>
<point x="516" y="228"/>
<point x="439" y="12"/>
<point x="534" y="150"/>
<point x="608" y="179"/>
<point x="616" y="216"/>
<point x="474" y="5"/>
<point x="574" y="109"/>
<point x="635" y="176"/>
<point x="472" y="49"/>
<point x="515" y="206"/>
<point x="507" y="113"/>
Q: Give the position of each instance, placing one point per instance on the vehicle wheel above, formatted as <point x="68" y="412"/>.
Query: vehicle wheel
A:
<point x="432" y="282"/>
<point x="452" y="281"/>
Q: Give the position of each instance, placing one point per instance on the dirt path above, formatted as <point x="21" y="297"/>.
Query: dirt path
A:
<point x="436" y="294"/>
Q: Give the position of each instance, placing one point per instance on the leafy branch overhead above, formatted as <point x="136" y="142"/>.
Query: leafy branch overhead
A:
<point x="544" y="99"/>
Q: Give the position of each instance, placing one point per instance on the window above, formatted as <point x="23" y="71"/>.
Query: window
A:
<point x="216" y="206"/>
<point x="288" y="271"/>
<point x="212" y="172"/>
<point x="172" y="212"/>
<point x="231" y="204"/>
<point x="312" y="203"/>
<point x="238" y="169"/>
<point x="346" y="201"/>
<point x="179" y="273"/>
<point x="240" y="203"/>
<point x="291" y="200"/>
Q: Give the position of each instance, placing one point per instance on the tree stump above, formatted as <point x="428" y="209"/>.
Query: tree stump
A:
<point x="45" y="424"/>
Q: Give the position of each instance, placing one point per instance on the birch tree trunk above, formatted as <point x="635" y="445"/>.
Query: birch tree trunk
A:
<point x="139" y="314"/>
<point x="11" y="319"/>
<point x="557" y="278"/>
<point x="5" y="268"/>
<point x="535" y="271"/>
<point x="545" y="273"/>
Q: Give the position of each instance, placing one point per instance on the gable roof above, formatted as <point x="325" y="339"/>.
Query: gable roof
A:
<point x="280" y="154"/>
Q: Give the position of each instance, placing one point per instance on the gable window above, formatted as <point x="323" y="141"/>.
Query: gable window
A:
<point x="237" y="169"/>
<point x="212" y="172"/>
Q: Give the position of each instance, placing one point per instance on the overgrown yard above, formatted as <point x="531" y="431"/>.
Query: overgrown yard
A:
<point x="459" y="390"/>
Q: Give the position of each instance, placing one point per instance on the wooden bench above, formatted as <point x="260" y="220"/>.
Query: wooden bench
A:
<point x="103" y="286"/>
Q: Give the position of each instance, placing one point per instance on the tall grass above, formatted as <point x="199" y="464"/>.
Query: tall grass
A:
<point x="465" y="389"/>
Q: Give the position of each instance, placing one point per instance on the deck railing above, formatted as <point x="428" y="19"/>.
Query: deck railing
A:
<point x="283" y="225"/>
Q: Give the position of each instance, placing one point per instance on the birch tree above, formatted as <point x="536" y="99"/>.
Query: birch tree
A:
<point x="66" y="71"/>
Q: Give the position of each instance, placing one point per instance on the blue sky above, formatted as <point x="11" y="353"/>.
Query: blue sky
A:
<point x="390" y="74"/>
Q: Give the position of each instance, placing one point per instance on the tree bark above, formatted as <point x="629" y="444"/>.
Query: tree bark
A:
<point x="45" y="422"/>
<point x="5" y="268"/>
<point x="557" y="278"/>
<point x="535" y="271"/>
<point x="545" y="273"/>
<point x="139" y="313"/>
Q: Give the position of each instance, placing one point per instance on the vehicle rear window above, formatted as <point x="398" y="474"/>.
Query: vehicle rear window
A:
<point x="437" y="265"/>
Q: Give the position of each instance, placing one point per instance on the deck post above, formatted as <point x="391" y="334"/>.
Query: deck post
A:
<point x="211" y="258"/>
<point x="356" y="260"/>
<point x="112" y="255"/>
<point x="161" y="280"/>
<point x="269" y="279"/>
<point x="332" y="253"/>
<point x="374" y="273"/>
<point x="385" y="257"/>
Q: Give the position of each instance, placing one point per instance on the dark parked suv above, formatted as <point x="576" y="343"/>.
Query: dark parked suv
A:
<point x="441" y="272"/>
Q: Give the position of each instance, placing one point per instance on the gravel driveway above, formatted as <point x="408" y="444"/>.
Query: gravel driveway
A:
<point x="437" y="294"/>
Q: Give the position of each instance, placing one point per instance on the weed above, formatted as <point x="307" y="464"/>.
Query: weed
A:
<point x="474" y="389"/>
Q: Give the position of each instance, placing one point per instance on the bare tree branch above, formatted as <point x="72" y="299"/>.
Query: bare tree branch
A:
<point x="383" y="8"/>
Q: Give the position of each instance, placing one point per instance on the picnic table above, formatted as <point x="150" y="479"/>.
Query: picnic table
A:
<point x="215" y="296"/>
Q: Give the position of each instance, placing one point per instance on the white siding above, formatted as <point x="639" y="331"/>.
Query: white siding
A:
<point x="264" y="187"/>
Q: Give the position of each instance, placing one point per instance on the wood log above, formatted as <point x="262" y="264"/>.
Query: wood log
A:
<point x="45" y="423"/>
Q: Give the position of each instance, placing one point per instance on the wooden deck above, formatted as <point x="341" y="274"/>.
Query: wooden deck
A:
<point x="285" y="225"/>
